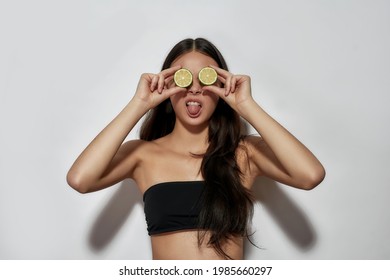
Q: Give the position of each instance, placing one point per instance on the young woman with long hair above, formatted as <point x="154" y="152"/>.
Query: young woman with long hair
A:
<point x="192" y="163"/>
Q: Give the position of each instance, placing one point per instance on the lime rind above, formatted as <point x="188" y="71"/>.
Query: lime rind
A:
<point x="207" y="76"/>
<point x="183" y="78"/>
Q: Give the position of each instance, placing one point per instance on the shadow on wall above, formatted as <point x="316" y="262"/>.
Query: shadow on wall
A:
<point x="290" y="218"/>
<point x="114" y="215"/>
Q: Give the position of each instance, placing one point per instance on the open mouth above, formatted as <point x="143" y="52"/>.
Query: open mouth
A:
<point x="193" y="108"/>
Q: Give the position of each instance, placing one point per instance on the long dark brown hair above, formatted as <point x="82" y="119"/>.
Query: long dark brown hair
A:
<point x="227" y="206"/>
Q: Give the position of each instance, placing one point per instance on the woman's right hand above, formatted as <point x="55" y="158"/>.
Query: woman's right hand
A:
<point x="106" y="160"/>
<point x="153" y="89"/>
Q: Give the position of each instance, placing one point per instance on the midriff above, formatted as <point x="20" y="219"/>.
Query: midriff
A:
<point x="183" y="245"/>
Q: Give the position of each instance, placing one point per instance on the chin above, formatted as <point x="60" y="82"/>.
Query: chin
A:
<point x="199" y="121"/>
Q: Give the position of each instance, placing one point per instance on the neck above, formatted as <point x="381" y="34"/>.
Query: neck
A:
<point x="193" y="139"/>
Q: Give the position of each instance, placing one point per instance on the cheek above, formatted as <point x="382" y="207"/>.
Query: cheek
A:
<point x="213" y="99"/>
<point x="174" y="100"/>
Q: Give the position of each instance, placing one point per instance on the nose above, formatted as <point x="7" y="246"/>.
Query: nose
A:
<point x="195" y="91"/>
<point x="195" y="88"/>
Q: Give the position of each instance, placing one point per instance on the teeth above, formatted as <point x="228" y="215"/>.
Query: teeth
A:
<point x="193" y="103"/>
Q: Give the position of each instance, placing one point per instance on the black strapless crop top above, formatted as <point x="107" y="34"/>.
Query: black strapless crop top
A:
<point x="172" y="206"/>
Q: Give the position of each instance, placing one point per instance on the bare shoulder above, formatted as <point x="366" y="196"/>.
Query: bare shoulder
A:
<point x="134" y="145"/>
<point x="137" y="148"/>
<point x="130" y="156"/>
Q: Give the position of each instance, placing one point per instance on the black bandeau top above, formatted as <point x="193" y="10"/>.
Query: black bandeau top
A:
<point x="172" y="206"/>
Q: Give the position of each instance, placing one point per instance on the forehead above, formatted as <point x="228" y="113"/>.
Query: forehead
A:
<point x="194" y="61"/>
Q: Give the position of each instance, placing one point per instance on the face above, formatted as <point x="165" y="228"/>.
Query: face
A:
<point x="196" y="106"/>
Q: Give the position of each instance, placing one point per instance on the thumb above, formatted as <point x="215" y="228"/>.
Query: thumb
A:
<point x="216" y="90"/>
<point x="172" y="91"/>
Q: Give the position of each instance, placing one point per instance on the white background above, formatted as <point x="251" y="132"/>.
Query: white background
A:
<point x="321" y="68"/>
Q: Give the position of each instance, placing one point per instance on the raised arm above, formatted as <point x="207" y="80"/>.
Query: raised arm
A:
<point x="106" y="161"/>
<point x="277" y="153"/>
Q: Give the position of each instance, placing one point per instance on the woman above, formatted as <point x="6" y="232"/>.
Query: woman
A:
<point x="192" y="164"/>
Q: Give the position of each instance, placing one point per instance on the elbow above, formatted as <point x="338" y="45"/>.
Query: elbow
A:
<point x="313" y="179"/>
<point x="76" y="182"/>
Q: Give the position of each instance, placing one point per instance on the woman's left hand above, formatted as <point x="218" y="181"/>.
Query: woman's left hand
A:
<point x="236" y="91"/>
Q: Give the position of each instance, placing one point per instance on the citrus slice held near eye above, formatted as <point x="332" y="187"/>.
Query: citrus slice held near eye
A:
<point x="207" y="76"/>
<point x="182" y="78"/>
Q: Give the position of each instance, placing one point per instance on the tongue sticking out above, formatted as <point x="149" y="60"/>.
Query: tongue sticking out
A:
<point x="193" y="109"/>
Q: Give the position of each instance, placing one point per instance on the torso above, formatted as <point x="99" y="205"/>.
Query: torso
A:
<point x="184" y="245"/>
<point x="158" y="162"/>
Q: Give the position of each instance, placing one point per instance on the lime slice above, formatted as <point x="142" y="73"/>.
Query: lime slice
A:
<point x="182" y="78"/>
<point x="207" y="76"/>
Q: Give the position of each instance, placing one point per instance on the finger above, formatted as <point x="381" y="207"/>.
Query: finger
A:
<point x="222" y="79"/>
<point x="233" y="84"/>
<point x="158" y="81"/>
<point x="166" y="76"/>
<point x="170" y="71"/>
<point x="168" y="92"/>
<point x="153" y="83"/>
<point x="169" y="81"/>
<point x="221" y="72"/>
<point x="161" y="83"/>
<point x="225" y="77"/>
<point x="216" y="90"/>
<point x="228" y="85"/>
